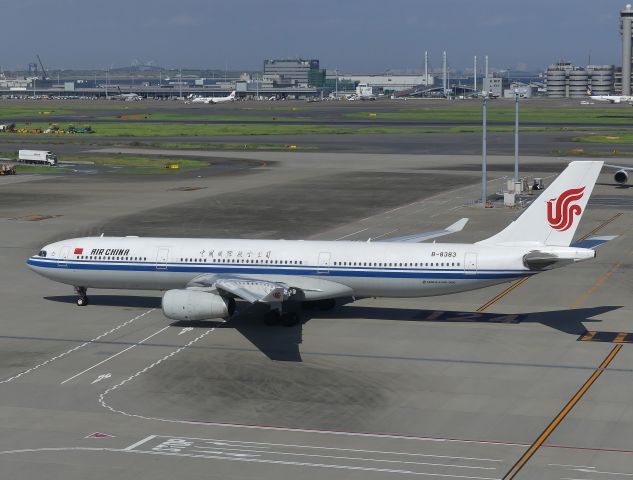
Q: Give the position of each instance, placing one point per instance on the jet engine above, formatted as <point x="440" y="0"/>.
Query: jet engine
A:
<point x="621" y="176"/>
<point x="192" y="304"/>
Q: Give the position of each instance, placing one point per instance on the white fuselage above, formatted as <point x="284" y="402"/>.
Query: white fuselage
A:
<point x="367" y="269"/>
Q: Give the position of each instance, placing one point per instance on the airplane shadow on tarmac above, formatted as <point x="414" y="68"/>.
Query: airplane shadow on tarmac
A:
<point x="282" y="343"/>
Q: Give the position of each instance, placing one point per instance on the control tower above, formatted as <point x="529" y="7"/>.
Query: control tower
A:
<point x="626" y="29"/>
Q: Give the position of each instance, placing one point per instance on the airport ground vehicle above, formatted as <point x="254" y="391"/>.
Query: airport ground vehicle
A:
<point x="37" y="157"/>
<point x="7" y="169"/>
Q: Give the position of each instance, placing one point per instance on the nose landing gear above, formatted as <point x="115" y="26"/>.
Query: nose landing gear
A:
<point x="82" y="301"/>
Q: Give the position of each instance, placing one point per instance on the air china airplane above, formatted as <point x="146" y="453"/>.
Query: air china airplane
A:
<point x="203" y="277"/>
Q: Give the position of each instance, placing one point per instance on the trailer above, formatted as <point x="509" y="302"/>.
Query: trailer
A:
<point x="37" y="157"/>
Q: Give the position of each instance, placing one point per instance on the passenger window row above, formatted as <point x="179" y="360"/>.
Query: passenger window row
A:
<point x="242" y="261"/>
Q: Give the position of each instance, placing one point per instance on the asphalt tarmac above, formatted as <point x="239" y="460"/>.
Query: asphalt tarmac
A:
<point x="460" y="386"/>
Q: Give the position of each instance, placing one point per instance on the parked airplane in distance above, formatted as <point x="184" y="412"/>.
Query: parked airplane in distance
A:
<point x="610" y="98"/>
<point x="203" y="277"/>
<point x="228" y="98"/>
<point x="128" y="97"/>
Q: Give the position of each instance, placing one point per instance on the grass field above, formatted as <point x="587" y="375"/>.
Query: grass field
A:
<point x="137" y="161"/>
<point x="612" y="138"/>
<point x="43" y="170"/>
<point x="141" y="129"/>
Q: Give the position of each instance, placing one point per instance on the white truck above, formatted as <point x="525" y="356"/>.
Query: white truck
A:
<point x="37" y="157"/>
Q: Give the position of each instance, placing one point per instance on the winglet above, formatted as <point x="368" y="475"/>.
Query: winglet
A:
<point x="458" y="226"/>
<point x="420" y="237"/>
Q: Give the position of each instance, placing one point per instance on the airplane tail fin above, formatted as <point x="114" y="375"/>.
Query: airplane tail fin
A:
<point x="553" y="217"/>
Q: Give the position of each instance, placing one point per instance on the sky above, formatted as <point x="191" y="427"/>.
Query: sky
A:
<point x="348" y="35"/>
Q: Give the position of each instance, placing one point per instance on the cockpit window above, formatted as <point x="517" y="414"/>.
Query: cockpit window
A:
<point x="42" y="253"/>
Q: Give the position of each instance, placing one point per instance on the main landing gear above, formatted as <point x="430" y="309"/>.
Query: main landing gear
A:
<point x="82" y="301"/>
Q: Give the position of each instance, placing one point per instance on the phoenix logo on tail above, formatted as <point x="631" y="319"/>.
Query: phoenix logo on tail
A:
<point x="561" y="215"/>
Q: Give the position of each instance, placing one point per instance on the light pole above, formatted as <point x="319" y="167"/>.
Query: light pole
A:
<point x="484" y="160"/>
<point x="516" y="136"/>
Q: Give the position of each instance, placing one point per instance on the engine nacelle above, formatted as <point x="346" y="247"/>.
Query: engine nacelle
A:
<point x="621" y="176"/>
<point x="194" y="305"/>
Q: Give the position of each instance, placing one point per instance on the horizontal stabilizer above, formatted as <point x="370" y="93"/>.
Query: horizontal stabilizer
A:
<point x="593" y="242"/>
<point x="458" y="226"/>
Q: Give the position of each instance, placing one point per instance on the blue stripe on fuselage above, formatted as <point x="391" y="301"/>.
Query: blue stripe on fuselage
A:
<point x="370" y="272"/>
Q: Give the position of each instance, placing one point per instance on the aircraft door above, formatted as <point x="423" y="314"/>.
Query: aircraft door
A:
<point x="324" y="262"/>
<point x="470" y="263"/>
<point x="63" y="257"/>
<point x="162" y="257"/>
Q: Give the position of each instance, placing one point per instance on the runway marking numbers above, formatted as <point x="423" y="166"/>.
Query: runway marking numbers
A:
<point x="443" y="316"/>
<point x="103" y="376"/>
<point x="99" y="435"/>
<point x="68" y="352"/>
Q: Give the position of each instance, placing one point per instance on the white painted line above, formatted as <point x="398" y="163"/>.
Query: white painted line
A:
<point x="351" y="234"/>
<point x="599" y="472"/>
<point x="340" y="457"/>
<point x="385" y="234"/>
<point x="140" y="442"/>
<point x="115" y="355"/>
<point x="214" y="441"/>
<point x="308" y="464"/>
<point x="61" y="355"/>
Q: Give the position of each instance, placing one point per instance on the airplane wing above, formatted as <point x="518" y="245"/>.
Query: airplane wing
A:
<point x="458" y="226"/>
<point x="250" y="289"/>
<point x="618" y="167"/>
<point x="256" y="290"/>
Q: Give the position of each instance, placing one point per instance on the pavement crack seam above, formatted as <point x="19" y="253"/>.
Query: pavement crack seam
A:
<point x="68" y="352"/>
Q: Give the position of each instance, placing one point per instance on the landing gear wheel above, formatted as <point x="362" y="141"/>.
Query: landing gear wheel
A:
<point x="82" y="301"/>
<point x="289" y="319"/>
<point x="272" y="317"/>
<point x="230" y="306"/>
